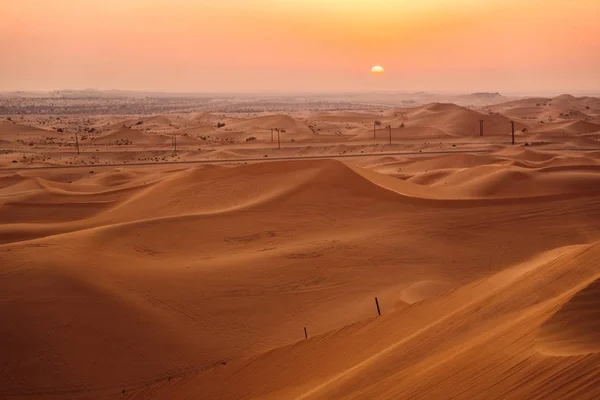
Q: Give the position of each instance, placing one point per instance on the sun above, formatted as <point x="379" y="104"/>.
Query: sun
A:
<point x="377" y="70"/>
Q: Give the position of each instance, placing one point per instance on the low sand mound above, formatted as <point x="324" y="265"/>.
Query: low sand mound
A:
<point x="270" y="122"/>
<point x="423" y="290"/>
<point x="116" y="177"/>
<point x="568" y="128"/>
<point x="575" y="328"/>
<point x="7" y="180"/>
<point x="158" y="120"/>
<point x="524" y="155"/>
<point x="343" y="116"/>
<point x="127" y="136"/>
<point x="454" y="161"/>
<point x="415" y="132"/>
<point x="431" y="177"/>
<point x="11" y="132"/>
<point x="204" y="130"/>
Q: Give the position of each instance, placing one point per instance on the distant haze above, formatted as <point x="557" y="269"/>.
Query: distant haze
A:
<point x="517" y="46"/>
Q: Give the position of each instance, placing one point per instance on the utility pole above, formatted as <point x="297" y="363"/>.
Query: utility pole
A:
<point x="480" y="127"/>
<point x="174" y="142"/>
<point x="77" y="142"/>
<point x="271" y="135"/>
<point x="278" y="140"/>
<point x="513" y="131"/>
<point x="374" y="126"/>
<point x="390" y="129"/>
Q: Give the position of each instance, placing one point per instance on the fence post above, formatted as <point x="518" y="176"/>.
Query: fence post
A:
<point x="377" y="304"/>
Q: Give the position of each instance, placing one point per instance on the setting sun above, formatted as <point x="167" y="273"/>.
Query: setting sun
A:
<point x="377" y="70"/>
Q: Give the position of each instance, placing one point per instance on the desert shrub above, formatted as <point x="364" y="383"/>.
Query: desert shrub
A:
<point x="378" y="123"/>
<point x="203" y="137"/>
<point x="250" y="139"/>
<point x="139" y="122"/>
<point x="283" y="131"/>
<point x="60" y="130"/>
<point x="220" y="124"/>
<point x="402" y="125"/>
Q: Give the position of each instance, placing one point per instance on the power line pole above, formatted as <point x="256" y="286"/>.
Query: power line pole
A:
<point x="278" y="140"/>
<point x="480" y="127"/>
<point x="374" y="126"/>
<point x="513" y="131"/>
<point x="390" y="129"/>
<point x="77" y="142"/>
<point x="271" y="135"/>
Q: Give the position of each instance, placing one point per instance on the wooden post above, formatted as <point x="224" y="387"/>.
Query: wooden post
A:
<point x="305" y="333"/>
<point x="271" y="135"/>
<point x="278" y="140"/>
<point x="77" y="142"/>
<point x="513" y="131"/>
<point x="377" y="304"/>
<point x="374" y="126"/>
<point x="175" y="142"/>
<point x="480" y="127"/>
<point x="390" y="129"/>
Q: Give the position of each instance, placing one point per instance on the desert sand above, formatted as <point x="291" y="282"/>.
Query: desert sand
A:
<point x="138" y="270"/>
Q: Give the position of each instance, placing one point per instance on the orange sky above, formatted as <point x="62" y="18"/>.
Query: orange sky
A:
<point x="301" y="45"/>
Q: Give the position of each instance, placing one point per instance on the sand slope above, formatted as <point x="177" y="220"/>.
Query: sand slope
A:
<point x="573" y="330"/>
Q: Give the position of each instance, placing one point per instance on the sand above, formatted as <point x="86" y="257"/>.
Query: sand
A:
<point x="158" y="279"/>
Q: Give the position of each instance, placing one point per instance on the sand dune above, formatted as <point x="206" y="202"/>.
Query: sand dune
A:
<point x="459" y="121"/>
<point x="345" y="117"/>
<point x="127" y="136"/>
<point x="563" y="114"/>
<point x="11" y="131"/>
<point x="270" y="122"/>
<point x="185" y="281"/>
<point x="568" y="128"/>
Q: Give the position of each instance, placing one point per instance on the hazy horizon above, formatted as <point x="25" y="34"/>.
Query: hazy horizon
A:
<point x="310" y="46"/>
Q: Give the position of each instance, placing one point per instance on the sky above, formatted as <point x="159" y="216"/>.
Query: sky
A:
<point x="516" y="46"/>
